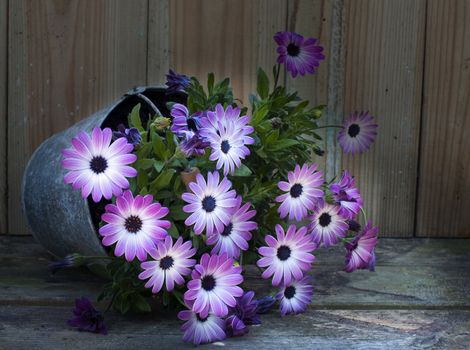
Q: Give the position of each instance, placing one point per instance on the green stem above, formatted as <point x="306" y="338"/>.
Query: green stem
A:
<point x="364" y="215"/>
<point x="276" y="77"/>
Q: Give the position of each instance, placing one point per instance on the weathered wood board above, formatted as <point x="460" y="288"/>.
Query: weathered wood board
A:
<point x="3" y="115"/>
<point x="444" y="169"/>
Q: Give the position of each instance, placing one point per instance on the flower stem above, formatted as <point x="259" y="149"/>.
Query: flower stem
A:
<point x="276" y="77"/>
<point x="364" y="215"/>
<point x="329" y="126"/>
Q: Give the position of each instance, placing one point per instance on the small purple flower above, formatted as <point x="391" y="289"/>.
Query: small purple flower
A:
<point x="183" y="123"/>
<point x="300" y="55"/>
<point x="242" y="315"/>
<point x="235" y="236"/>
<point x="201" y="330"/>
<point x="264" y="304"/>
<point x="176" y="82"/>
<point x="287" y="256"/>
<point x="214" y="285"/>
<point x="87" y="318"/>
<point x="132" y="135"/>
<point x="135" y="225"/>
<point x="327" y="225"/>
<point x="170" y="264"/>
<point x="296" y="296"/>
<point x="347" y="195"/>
<point x="360" y="252"/>
<point x="193" y="144"/>
<point x="228" y="137"/>
<point x="303" y="192"/>
<point x="98" y="166"/>
<point x="358" y="133"/>
<point x="210" y="203"/>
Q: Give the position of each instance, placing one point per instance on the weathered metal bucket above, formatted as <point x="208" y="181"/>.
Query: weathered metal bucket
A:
<point x="60" y="219"/>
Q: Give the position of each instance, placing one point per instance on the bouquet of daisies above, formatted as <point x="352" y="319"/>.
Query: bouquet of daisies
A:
<point x="195" y="196"/>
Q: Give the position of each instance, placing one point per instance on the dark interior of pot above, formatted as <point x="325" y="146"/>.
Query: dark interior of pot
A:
<point x="118" y="115"/>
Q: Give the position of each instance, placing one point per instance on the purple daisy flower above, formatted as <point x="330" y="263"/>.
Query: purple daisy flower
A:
<point x="170" y="264"/>
<point x="300" y="55"/>
<point x="327" y="225"/>
<point x="183" y="123"/>
<point x="242" y="315"/>
<point x="361" y="250"/>
<point x="135" y="224"/>
<point x="346" y="194"/>
<point x="287" y="256"/>
<point x="358" y="133"/>
<point x="236" y="234"/>
<point x="228" y="137"/>
<point x="176" y="82"/>
<point x="98" y="167"/>
<point x="87" y="318"/>
<point x="210" y="203"/>
<point x="303" y="192"/>
<point x="296" y="296"/>
<point x="201" y="330"/>
<point x="214" y="285"/>
<point x="132" y="135"/>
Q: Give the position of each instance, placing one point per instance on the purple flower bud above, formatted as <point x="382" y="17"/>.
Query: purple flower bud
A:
<point x="87" y="318"/>
<point x="132" y="135"/>
<point x="176" y="82"/>
<point x="265" y="304"/>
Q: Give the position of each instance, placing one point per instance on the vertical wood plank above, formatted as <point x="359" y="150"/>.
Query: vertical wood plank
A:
<point x="3" y="113"/>
<point x="383" y="74"/>
<point x="158" y="41"/>
<point x="67" y="59"/>
<point x="230" y="38"/>
<point x="444" y="176"/>
<point x="323" y="20"/>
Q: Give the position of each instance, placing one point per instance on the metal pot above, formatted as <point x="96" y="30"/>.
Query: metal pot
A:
<point x="60" y="219"/>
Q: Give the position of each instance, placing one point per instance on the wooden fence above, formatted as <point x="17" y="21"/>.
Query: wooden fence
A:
<point x="406" y="61"/>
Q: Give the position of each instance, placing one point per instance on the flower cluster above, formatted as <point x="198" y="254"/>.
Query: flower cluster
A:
<point x="194" y="196"/>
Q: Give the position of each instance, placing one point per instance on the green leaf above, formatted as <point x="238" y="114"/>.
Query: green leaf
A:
<point x="173" y="231"/>
<point x="139" y="303"/>
<point x="159" y="147"/>
<point x="259" y="115"/>
<point x="262" y="84"/>
<point x="243" y="170"/>
<point x="162" y="180"/>
<point x="282" y="144"/>
<point x="210" y="82"/>
<point x="143" y="164"/>
<point x="134" y="118"/>
<point x="158" y="165"/>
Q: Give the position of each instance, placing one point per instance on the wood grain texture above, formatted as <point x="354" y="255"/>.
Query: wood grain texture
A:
<point x="68" y="59"/>
<point x="3" y="113"/>
<point x="230" y="38"/>
<point x="383" y="75"/>
<point x="158" y="50"/>
<point x="444" y="172"/>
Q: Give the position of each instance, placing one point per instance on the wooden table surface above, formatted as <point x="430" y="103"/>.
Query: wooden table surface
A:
<point x="419" y="297"/>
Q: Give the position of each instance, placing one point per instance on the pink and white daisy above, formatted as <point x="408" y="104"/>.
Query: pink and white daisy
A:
<point x="171" y="263"/>
<point x="303" y="192"/>
<point x="97" y="166"/>
<point x="201" y="330"/>
<point x="235" y="236"/>
<point x="135" y="225"/>
<point x="228" y="138"/>
<point x="358" y="133"/>
<point x="295" y="297"/>
<point x="287" y="256"/>
<point x="300" y="55"/>
<point x="347" y="195"/>
<point x="214" y="285"/>
<point x="361" y="250"/>
<point x="327" y="225"/>
<point x="210" y="203"/>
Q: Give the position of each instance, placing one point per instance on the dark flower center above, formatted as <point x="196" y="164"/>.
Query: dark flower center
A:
<point x="225" y="146"/>
<point x="166" y="262"/>
<point x="98" y="164"/>
<point x="354" y="130"/>
<point x="324" y="219"/>
<point x="283" y="252"/>
<point x="201" y="319"/>
<point x="208" y="204"/>
<point x="293" y="50"/>
<point x="133" y="224"/>
<point x="296" y="190"/>
<point x="208" y="282"/>
<point x="227" y="230"/>
<point x="289" y="292"/>
<point x="192" y="125"/>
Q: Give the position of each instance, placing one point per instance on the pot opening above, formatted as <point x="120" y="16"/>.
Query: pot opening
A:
<point x="118" y="115"/>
